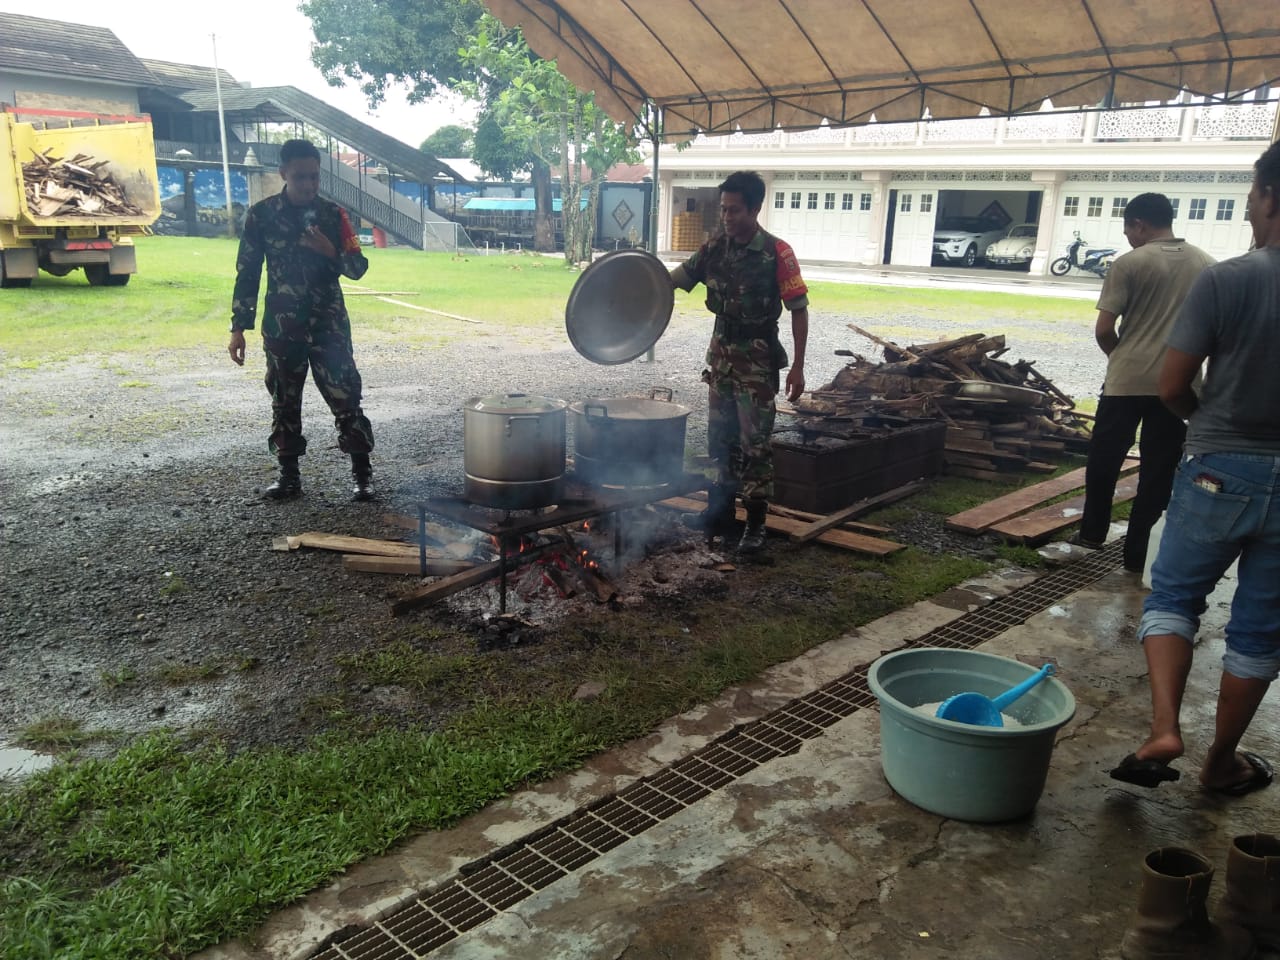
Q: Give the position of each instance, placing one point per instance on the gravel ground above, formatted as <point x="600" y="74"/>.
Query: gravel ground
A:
<point x="139" y="580"/>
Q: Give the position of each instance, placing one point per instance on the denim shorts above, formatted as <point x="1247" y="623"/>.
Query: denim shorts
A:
<point x="1225" y="506"/>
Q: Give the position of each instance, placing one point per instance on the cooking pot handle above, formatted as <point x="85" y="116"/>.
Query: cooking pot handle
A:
<point x="525" y="416"/>
<point x="588" y="407"/>
<point x="670" y="394"/>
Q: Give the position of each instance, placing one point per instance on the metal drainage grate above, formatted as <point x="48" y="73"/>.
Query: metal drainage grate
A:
<point x="484" y="888"/>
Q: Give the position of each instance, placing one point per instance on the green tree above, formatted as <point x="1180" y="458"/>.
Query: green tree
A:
<point x="451" y="140"/>
<point x="541" y="112"/>
<point x="381" y="43"/>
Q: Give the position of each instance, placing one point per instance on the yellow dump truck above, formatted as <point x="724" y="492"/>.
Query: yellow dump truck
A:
<point x="75" y="189"/>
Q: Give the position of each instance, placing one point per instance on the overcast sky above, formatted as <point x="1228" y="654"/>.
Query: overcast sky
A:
<point x="264" y="42"/>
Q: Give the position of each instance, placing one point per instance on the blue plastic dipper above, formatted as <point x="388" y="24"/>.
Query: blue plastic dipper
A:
<point x="983" y="711"/>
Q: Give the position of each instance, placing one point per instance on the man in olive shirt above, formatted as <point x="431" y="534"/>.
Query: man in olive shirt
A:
<point x="1144" y="289"/>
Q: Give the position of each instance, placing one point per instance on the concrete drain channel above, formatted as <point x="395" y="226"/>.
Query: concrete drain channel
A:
<point x="488" y="886"/>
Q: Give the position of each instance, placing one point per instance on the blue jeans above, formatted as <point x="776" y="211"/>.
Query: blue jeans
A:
<point x="1224" y="506"/>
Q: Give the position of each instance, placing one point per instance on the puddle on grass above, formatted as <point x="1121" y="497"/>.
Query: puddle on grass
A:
<point x="16" y="762"/>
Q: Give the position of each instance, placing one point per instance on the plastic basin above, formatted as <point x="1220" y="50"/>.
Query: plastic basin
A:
<point x="957" y="770"/>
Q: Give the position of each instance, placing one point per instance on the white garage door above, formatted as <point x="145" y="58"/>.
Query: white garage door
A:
<point x="913" y="228"/>
<point x="821" y="221"/>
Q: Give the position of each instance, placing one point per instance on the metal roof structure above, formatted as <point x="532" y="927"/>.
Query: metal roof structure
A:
<point x="37" y="45"/>
<point x="720" y="66"/>
<point x="287" y="104"/>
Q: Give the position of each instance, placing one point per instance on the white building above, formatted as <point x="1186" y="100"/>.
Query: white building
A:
<point x="873" y="194"/>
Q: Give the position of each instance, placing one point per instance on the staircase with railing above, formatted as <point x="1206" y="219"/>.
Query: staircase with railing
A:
<point x="411" y="223"/>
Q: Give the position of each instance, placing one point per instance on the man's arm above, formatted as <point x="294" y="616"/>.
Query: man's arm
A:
<point x="1176" y="376"/>
<point x="800" y="339"/>
<point x="244" y="297"/>
<point x="1104" y="331"/>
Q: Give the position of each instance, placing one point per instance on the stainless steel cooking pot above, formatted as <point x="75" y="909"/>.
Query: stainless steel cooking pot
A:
<point x="619" y="306"/>
<point x="629" y="441"/>
<point x="514" y="446"/>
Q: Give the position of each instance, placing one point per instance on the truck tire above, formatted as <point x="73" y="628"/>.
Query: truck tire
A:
<point x="100" y="276"/>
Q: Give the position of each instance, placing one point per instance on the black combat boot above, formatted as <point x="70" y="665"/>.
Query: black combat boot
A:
<point x="752" y="541"/>
<point x="362" y="474"/>
<point x="289" y="484"/>
<point x="717" y="520"/>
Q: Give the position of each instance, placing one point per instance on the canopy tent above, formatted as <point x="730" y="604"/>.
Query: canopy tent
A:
<point x="719" y="66"/>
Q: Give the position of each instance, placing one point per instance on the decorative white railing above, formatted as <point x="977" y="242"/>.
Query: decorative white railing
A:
<point x="1187" y="124"/>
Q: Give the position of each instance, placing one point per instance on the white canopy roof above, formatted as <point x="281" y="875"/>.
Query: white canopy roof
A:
<point x="717" y="66"/>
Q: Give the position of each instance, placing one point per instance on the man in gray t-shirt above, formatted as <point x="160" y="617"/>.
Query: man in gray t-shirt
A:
<point x="1225" y="505"/>
<point x="1143" y="290"/>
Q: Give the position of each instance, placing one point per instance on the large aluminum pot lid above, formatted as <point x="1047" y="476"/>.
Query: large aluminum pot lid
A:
<point x="629" y="408"/>
<point x="619" y="307"/>
<point x="514" y="404"/>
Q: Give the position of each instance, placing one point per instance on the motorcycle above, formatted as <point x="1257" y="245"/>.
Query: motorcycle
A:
<point x="1096" y="261"/>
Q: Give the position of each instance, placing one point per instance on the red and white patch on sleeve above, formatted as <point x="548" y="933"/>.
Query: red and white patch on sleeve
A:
<point x="790" y="284"/>
<point x="350" y="242"/>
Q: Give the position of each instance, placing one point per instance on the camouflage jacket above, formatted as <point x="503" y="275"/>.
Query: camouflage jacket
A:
<point x="303" y="293"/>
<point x="747" y="288"/>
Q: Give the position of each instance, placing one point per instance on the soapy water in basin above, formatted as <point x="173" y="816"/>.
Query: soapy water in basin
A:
<point x="931" y="710"/>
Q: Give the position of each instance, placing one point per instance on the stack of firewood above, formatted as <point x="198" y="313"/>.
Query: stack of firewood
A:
<point x="79" y="187"/>
<point x="1036" y="422"/>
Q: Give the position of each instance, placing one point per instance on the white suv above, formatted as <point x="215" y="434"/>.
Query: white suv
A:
<point x="964" y="240"/>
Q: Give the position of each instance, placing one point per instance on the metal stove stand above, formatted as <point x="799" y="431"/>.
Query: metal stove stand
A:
<point x="580" y="501"/>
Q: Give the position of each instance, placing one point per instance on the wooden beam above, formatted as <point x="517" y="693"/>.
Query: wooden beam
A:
<point x="835" y="538"/>
<point x="439" y="589"/>
<point x="979" y="518"/>
<point x="363" y="563"/>
<point x="855" y="510"/>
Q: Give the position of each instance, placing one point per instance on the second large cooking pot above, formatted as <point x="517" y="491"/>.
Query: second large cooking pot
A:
<point x="514" y="450"/>
<point x="629" y="441"/>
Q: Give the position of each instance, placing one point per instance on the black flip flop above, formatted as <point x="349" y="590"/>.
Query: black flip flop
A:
<point x="1144" y="773"/>
<point x="1260" y="778"/>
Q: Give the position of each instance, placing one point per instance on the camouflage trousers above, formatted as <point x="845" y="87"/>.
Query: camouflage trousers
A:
<point x="740" y="415"/>
<point x="327" y="354"/>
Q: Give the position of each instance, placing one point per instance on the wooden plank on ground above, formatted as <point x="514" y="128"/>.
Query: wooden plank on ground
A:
<point x="364" y="563"/>
<point x="976" y="473"/>
<point x="1039" y="526"/>
<point x="835" y="538"/>
<point x="817" y="527"/>
<point x="439" y="589"/>
<point x="857" y="527"/>
<point x="345" y="544"/>
<point x="979" y="518"/>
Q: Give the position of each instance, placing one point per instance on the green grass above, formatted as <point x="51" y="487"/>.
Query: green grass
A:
<point x="180" y="299"/>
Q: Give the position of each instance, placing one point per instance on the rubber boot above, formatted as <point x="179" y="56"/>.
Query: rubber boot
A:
<point x="1172" y="922"/>
<point x="362" y="474"/>
<point x="1252" y="899"/>
<point x="288" y="484"/>
<point x="752" y="542"/>
<point x="717" y="520"/>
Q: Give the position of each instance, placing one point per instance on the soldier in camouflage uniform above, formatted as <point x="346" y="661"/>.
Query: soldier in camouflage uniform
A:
<point x="750" y="275"/>
<point x="308" y="243"/>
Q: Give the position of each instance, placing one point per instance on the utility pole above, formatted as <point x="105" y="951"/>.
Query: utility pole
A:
<point x="222" y="129"/>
